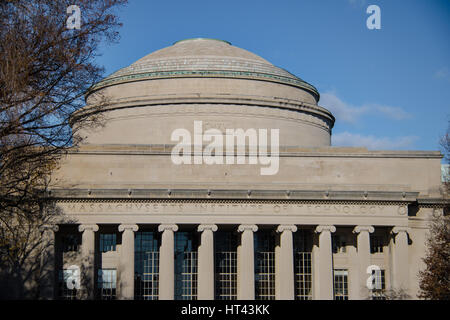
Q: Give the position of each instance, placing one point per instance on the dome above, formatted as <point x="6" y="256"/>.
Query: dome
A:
<point x="206" y="80"/>
<point x="204" y="57"/>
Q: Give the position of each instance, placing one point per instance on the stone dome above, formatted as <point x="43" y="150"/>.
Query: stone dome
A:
<point x="213" y="81"/>
<point x="204" y="57"/>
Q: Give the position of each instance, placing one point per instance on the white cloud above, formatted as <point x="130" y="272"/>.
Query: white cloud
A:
<point x="340" y="109"/>
<point x="371" y="142"/>
<point x="346" y="112"/>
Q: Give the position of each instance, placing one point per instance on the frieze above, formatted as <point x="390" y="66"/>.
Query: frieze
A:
<point x="233" y="207"/>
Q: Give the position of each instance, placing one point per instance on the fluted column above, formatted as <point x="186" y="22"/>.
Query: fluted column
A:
<point x="127" y="261"/>
<point x="166" y="262"/>
<point x="325" y="263"/>
<point x="400" y="275"/>
<point x="206" y="262"/>
<point x="87" y="258"/>
<point x="246" y="263"/>
<point x="284" y="264"/>
<point x="48" y="275"/>
<point x="363" y="254"/>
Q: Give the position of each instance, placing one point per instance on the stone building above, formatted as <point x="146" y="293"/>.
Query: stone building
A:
<point x="136" y="225"/>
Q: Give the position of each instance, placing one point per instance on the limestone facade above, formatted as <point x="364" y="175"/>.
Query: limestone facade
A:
<point x="166" y="231"/>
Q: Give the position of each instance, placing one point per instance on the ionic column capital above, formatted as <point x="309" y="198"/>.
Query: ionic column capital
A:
<point x="49" y="227"/>
<point x="286" y="227"/>
<point x="396" y="230"/>
<point x="92" y="227"/>
<point x="251" y="227"/>
<point x="163" y="227"/>
<point x="321" y="228"/>
<point x="359" y="229"/>
<point x="204" y="227"/>
<point x="133" y="227"/>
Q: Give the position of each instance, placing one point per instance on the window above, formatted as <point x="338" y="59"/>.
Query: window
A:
<point x="146" y="265"/>
<point x="71" y="242"/>
<point x="376" y="244"/>
<point x="339" y="244"/>
<point x="106" y="284"/>
<point x="150" y="276"/>
<point x="379" y="282"/>
<point x="264" y="265"/>
<point x="186" y="245"/>
<point x="67" y="284"/>
<point x="340" y="284"/>
<point x="107" y="242"/>
<point x="303" y="265"/>
<point x="225" y="244"/>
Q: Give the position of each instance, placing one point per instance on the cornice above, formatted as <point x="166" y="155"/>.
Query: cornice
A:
<point x="433" y="202"/>
<point x="284" y="151"/>
<point x="213" y="195"/>
<point x="249" y="75"/>
<point x="303" y="111"/>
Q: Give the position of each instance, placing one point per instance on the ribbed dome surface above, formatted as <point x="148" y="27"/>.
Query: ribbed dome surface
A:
<point x="201" y="47"/>
<point x="203" y="58"/>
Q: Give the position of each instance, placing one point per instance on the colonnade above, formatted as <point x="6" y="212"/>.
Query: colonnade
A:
<point x="284" y="257"/>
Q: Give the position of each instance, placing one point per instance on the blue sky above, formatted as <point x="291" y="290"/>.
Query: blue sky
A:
<point x="388" y="88"/>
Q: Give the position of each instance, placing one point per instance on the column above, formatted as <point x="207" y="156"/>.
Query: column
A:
<point x="325" y="263"/>
<point x="284" y="264"/>
<point x="166" y="262"/>
<point x="87" y="259"/>
<point x="400" y="272"/>
<point x="246" y="263"/>
<point x="127" y="261"/>
<point x="48" y="275"/>
<point x="363" y="254"/>
<point x="206" y="262"/>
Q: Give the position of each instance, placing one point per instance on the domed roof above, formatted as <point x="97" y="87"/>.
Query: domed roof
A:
<point x="201" y="47"/>
<point x="202" y="57"/>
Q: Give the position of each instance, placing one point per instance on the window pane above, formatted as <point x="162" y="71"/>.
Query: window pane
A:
<point x="303" y="264"/>
<point x="106" y="284"/>
<point x="225" y="244"/>
<point x="376" y="244"/>
<point x="186" y="265"/>
<point x="146" y="265"/>
<point x="264" y="265"/>
<point x="107" y="242"/>
<point x="341" y="284"/>
<point x="71" y="242"/>
<point x="378" y="292"/>
<point x="67" y="286"/>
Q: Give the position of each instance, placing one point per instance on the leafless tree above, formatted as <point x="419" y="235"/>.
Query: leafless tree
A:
<point x="45" y="70"/>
